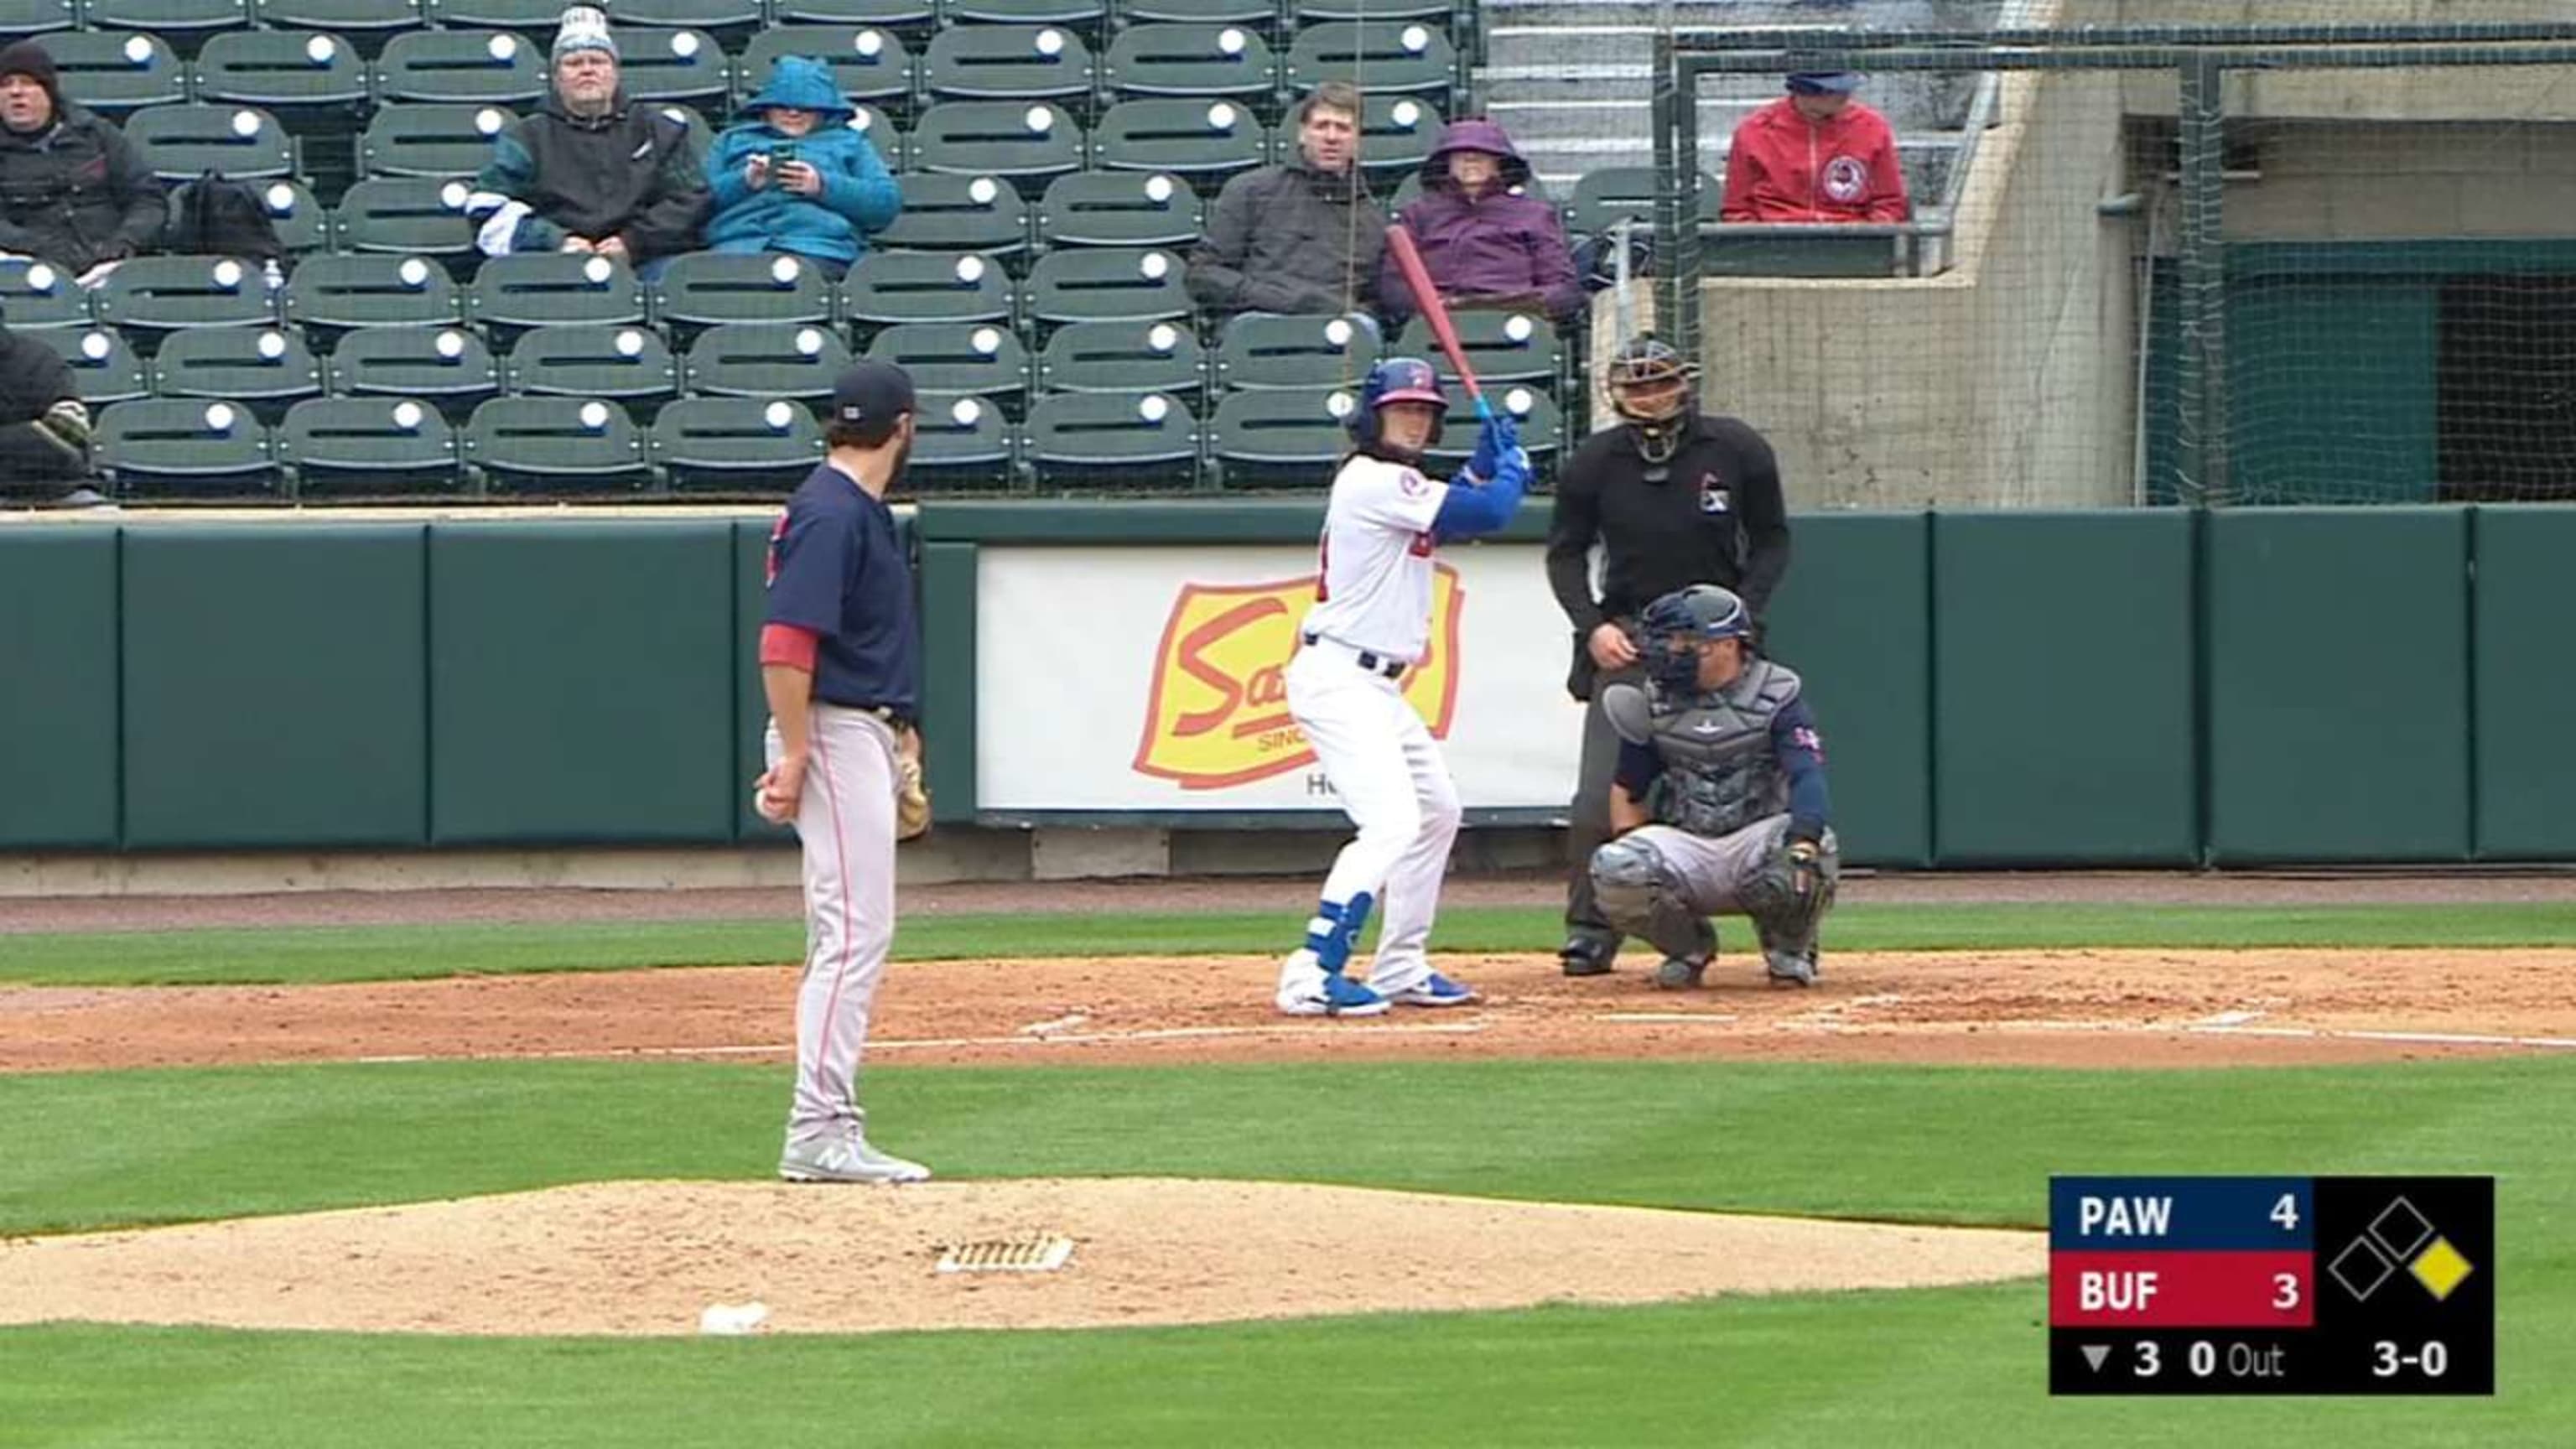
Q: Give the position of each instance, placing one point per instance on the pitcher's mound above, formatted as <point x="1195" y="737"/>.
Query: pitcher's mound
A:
<point x="650" y="1257"/>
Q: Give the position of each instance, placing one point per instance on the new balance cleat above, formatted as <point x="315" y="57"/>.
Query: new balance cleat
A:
<point x="846" y="1158"/>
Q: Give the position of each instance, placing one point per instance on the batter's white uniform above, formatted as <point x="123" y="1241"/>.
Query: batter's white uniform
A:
<point x="1372" y="619"/>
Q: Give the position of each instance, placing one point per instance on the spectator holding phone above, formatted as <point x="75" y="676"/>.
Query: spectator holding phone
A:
<point x="792" y="177"/>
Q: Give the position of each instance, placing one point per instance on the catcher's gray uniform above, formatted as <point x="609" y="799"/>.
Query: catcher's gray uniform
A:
<point x="1734" y="781"/>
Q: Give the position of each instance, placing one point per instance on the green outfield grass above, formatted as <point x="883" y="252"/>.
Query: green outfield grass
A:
<point x="385" y="953"/>
<point x="1935" y="1368"/>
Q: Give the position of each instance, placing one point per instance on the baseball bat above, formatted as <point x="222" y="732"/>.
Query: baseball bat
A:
<point x="1408" y="259"/>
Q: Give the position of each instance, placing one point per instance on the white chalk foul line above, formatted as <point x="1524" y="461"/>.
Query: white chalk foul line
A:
<point x="934" y="1043"/>
<point x="1634" y="1017"/>
<point x="2413" y="1038"/>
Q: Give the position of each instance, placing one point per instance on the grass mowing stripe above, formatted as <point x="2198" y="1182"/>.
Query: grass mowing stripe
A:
<point x="1955" y="1366"/>
<point x="312" y="955"/>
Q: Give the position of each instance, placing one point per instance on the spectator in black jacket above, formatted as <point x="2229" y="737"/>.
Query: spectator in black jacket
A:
<point x="1300" y="237"/>
<point x="73" y="190"/>
<point x="44" y="427"/>
<point x="591" y="171"/>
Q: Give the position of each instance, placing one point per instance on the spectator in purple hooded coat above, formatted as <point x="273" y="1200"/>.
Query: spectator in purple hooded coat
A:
<point x="1483" y="245"/>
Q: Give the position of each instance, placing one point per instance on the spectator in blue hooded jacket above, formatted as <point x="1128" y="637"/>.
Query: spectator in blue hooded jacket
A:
<point x="819" y="205"/>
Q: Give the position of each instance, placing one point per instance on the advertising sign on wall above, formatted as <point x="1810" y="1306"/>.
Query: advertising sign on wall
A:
<point x="1153" y="679"/>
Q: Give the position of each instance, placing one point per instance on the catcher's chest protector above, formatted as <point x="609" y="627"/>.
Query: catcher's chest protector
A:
<point x="1720" y="773"/>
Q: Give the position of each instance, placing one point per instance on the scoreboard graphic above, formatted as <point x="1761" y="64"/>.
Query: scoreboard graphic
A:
<point x="2271" y="1285"/>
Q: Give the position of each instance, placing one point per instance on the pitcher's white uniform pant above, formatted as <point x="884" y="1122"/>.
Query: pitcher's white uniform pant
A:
<point x="845" y="817"/>
<point x="1394" y="784"/>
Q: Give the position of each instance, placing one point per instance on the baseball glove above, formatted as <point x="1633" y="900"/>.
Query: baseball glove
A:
<point x="912" y="797"/>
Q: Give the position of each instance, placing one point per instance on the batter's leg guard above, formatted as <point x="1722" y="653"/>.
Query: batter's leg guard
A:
<point x="1641" y="894"/>
<point x="1787" y="921"/>
<point x="1335" y="930"/>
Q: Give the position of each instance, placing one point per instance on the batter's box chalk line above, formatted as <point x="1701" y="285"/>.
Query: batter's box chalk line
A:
<point x="1039" y="1252"/>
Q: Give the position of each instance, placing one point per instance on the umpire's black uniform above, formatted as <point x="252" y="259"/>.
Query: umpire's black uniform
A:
<point x="1710" y="514"/>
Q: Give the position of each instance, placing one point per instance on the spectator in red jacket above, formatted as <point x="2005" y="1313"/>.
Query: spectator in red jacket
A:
<point x="1815" y="155"/>
<point x="1484" y="243"/>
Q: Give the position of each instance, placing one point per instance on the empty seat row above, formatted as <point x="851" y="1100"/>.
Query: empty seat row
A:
<point x="376" y="446"/>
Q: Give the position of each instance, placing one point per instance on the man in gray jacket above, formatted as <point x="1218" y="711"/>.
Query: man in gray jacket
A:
<point x="1303" y="236"/>
<point x="73" y="190"/>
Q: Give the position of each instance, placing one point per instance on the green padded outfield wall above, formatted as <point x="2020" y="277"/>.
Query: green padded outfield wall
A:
<point x="2526" y="683"/>
<point x="2338" y="678"/>
<point x="2062" y="709"/>
<point x="1853" y="618"/>
<point x="272" y="682"/>
<point x="582" y="682"/>
<point x="58" y="742"/>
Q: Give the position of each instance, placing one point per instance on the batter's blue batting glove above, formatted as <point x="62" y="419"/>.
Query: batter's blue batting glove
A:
<point x="1500" y="438"/>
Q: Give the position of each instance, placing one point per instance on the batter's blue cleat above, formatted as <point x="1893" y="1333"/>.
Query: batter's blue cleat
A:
<point x="1325" y="993"/>
<point x="1433" y="990"/>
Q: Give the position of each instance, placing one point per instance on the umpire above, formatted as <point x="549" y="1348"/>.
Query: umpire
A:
<point x="1674" y="499"/>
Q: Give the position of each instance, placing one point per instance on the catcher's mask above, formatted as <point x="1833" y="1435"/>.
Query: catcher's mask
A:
<point x="1395" y="380"/>
<point x="1655" y="392"/>
<point x="1673" y="626"/>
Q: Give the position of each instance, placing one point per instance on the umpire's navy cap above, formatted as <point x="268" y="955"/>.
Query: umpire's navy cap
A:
<point x="870" y="391"/>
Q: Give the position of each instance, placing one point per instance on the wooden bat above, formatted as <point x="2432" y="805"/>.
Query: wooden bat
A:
<point x="1408" y="259"/>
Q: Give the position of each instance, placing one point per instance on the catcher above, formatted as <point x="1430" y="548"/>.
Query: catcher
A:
<point x="1719" y="801"/>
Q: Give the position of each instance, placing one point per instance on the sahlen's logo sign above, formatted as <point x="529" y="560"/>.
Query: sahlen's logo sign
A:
<point x="1218" y="708"/>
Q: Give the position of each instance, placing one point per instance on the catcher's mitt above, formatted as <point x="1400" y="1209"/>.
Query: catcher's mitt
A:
<point x="912" y="798"/>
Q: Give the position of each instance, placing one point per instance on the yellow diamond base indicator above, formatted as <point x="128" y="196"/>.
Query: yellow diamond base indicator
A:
<point x="2440" y="1268"/>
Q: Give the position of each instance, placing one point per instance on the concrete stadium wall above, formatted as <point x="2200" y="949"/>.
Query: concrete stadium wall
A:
<point x="2528" y="93"/>
<point x="2342" y="181"/>
<point x="2002" y="382"/>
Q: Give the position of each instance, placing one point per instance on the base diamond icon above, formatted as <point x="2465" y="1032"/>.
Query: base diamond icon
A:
<point x="2441" y="1269"/>
<point x="2361" y="1268"/>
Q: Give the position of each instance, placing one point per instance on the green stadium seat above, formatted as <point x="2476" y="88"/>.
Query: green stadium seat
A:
<point x="278" y="69"/>
<point x="870" y="64"/>
<point x="1542" y="425"/>
<point x="707" y="289"/>
<point x="980" y="358"/>
<point x="1204" y="140"/>
<point x="429" y="139"/>
<point x="449" y="367"/>
<point x="536" y="19"/>
<point x="1275" y="437"/>
<point x="1107" y="284"/>
<point x="701" y="135"/>
<point x="911" y="15"/>
<point x="943" y="213"/>
<point x="114" y="72"/>
<point x="1304" y="354"/>
<point x="164" y="446"/>
<point x="37" y="17"/>
<point x="105" y="367"/>
<point x="1397" y="134"/>
<point x="1501" y="346"/>
<point x="735" y="444"/>
<point x="684" y="66"/>
<point x="368" y="446"/>
<point x="731" y="19"/>
<point x="1602" y="197"/>
<point x="1123" y="358"/>
<point x="473" y="67"/>
<point x="407" y="216"/>
<point x="1263" y="13"/>
<point x="1024" y="142"/>
<point x="1078" y="439"/>
<point x="886" y="288"/>
<point x="628" y="364"/>
<point x="962" y="443"/>
<point x="265" y="369"/>
<point x="1119" y="209"/>
<point x="1191" y="60"/>
<point x="337" y="293"/>
<point x="1380" y="56"/>
<point x="540" y="289"/>
<point x="1309" y="12"/>
<point x="1006" y="62"/>
<point x="166" y="294"/>
<point x="39" y="295"/>
<point x="183" y="142"/>
<point x="1410" y="189"/>
<point x="366" y="24"/>
<point x="303" y="224"/>
<point x="1088" y="13"/>
<point x="765" y="360"/>
<point x="893" y="147"/>
<point x="555" y="445"/>
<point x="184" y="23"/>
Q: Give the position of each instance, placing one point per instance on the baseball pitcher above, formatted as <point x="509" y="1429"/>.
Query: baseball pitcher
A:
<point x="1719" y="801"/>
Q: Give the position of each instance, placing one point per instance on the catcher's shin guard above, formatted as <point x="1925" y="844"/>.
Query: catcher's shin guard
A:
<point x="1785" y="916"/>
<point x="1641" y="895"/>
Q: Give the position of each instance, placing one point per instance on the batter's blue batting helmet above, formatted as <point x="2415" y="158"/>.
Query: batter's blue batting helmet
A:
<point x="1673" y="625"/>
<point x="1394" y="380"/>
